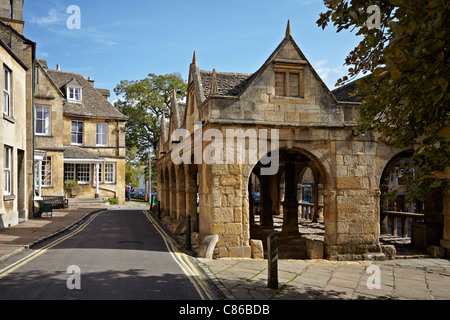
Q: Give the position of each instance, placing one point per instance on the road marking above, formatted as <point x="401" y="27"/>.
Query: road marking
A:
<point x="16" y="265"/>
<point x="182" y="260"/>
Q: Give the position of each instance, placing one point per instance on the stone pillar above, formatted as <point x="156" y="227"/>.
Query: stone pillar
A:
<point x="384" y="229"/>
<point x="265" y="203"/>
<point x="316" y="196"/>
<point x="181" y="194"/>
<point x="290" y="207"/>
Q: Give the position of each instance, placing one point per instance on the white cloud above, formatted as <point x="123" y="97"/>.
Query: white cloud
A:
<point x="53" y="17"/>
<point x="328" y="74"/>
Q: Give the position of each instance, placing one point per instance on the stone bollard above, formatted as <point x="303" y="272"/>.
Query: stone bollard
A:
<point x="272" y="253"/>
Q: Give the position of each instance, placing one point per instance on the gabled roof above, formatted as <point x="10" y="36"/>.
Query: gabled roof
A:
<point x="228" y="84"/>
<point x="94" y="104"/>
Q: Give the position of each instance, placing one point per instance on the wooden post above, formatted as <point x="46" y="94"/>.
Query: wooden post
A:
<point x="272" y="252"/>
<point x="188" y="232"/>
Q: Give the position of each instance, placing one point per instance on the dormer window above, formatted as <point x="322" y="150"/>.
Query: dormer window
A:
<point x="74" y="94"/>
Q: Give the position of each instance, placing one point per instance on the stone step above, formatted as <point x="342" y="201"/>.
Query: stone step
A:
<point x="88" y="202"/>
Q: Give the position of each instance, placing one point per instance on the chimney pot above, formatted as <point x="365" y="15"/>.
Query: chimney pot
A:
<point x="58" y="67"/>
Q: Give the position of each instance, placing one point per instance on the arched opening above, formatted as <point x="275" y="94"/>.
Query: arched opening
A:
<point x="172" y="192"/>
<point x="192" y="196"/>
<point x="181" y="194"/>
<point x="290" y="203"/>
<point x="399" y="216"/>
<point x="166" y="192"/>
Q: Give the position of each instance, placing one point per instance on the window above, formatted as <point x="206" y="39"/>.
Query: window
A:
<point x="7" y="91"/>
<point x="43" y="120"/>
<point x="77" y="132"/>
<point x="69" y="171"/>
<point x="46" y="176"/>
<point x="7" y="170"/>
<point x="289" y="79"/>
<point x="102" y="134"/>
<point x="84" y="173"/>
<point x="74" y="94"/>
<point x="110" y="173"/>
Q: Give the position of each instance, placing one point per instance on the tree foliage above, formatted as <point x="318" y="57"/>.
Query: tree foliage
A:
<point x="143" y="102"/>
<point x="405" y="95"/>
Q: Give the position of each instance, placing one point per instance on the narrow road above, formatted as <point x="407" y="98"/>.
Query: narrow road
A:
<point x="115" y="254"/>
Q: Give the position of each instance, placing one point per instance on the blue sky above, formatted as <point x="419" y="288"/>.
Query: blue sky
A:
<point x="127" y="40"/>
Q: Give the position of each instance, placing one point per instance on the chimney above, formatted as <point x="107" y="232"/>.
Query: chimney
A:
<point x="91" y="81"/>
<point x="58" y="67"/>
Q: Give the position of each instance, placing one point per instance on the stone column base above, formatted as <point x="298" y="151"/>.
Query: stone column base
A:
<point x="354" y="252"/>
<point x="233" y="252"/>
<point x="446" y="245"/>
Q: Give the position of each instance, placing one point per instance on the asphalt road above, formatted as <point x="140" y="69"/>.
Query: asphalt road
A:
<point x="117" y="254"/>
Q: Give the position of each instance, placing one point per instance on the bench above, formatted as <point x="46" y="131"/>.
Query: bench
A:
<point x="60" y="201"/>
<point x="49" y="202"/>
<point x="45" y="207"/>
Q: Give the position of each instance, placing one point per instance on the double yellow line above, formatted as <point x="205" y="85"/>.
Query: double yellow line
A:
<point x="182" y="260"/>
<point x="16" y="265"/>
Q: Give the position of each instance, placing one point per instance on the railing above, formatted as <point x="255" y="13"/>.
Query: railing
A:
<point x="307" y="210"/>
<point x="404" y="217"/>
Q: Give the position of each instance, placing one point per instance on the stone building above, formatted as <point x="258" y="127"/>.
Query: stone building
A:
<point x="57" y="107"/>
<point x="79" y="136"/>
<point x="13" y="151"/>
<point x="11" y="33"/>
<point x="286" y="108"/>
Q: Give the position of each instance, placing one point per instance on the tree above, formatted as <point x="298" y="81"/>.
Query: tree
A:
<point x="143" y="102"/>
<point x="405" y="95"/>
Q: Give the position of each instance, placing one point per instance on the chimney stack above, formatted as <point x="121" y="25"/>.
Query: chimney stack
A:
<point x="91" y="81"/>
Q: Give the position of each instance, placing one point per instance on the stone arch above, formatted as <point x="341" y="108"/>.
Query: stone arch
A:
<point x="166" y="191"/>
<point x="389" y="180"/>
<point x="172" y="191"/>
<point x="180" y="192"/>
<point x="192" y="189"/>
<point x="289" y="158"/>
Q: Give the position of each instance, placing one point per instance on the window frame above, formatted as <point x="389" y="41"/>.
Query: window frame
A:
<point x="69" y="169"/>
<point x="7" y="76"/>
<point x="103" y="134"/>
<point x="77" y="133"/>
<point x="83" y="170"/>
<point x="47" y="122"/>
<point x="108" y="174"/>
<point x="7" y="170"/>
<point x="72" y="97"/>
<point x="48" y="160"/>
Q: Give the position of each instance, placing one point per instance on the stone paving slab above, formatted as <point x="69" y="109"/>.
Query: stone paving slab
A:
<point x="415" y="279"/>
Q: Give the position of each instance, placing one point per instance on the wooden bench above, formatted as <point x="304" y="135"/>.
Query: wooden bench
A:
<point x="56" y="201"/>
<point x="47" y="204"/>
<point x="45" y="207"/>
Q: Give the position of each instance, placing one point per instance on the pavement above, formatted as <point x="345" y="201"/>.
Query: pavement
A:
<point x="246" y="279"/>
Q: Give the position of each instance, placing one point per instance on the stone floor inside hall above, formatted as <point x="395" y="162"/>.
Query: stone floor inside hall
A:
<point x="293" y="246"/>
